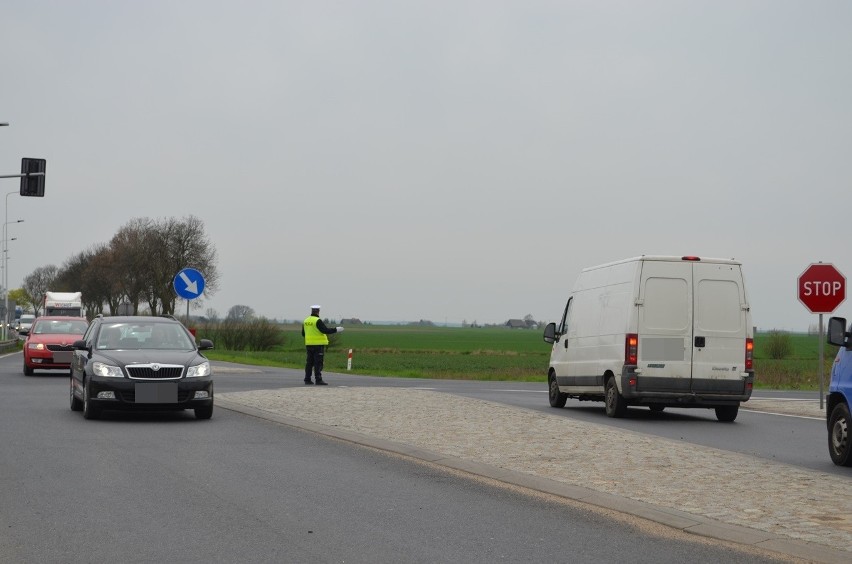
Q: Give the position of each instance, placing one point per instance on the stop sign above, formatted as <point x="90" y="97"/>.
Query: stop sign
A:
<point x="822" y="288"/>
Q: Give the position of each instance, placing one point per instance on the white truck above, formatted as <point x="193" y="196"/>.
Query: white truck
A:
<point x="63" y="303"/>
<point x="656" y="331"/>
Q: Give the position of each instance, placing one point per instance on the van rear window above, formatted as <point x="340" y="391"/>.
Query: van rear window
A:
<point x="666" y="304"/>
<point x="718" y="306"/>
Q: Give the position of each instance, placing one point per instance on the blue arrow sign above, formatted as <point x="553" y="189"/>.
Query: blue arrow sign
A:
<point x="189" y="283"/>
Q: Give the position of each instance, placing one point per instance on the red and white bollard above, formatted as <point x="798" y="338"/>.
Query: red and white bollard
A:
<point x="349" y="360"/>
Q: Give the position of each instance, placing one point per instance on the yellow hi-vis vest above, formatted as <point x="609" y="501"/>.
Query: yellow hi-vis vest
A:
<point x="313" y="336"/>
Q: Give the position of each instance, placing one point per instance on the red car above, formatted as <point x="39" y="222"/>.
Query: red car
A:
<point x="50" y="342"/>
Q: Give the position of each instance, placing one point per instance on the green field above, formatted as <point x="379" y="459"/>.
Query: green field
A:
<point x="491" y="354"/>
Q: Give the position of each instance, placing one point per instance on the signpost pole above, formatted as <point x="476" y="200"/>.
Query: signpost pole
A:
<point x="821" y="365"/>
<point x="821" y="289"/>
<point x="189" y="285"/>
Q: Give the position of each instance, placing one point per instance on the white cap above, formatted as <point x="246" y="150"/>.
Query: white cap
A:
<point x="315" y="307"/>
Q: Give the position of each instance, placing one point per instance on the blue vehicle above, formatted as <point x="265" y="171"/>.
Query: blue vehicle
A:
<point x="840" y="394"/>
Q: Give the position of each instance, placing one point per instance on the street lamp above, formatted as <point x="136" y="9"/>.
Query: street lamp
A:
<point x="6" y="267"/>
<point x="3" y="263"/>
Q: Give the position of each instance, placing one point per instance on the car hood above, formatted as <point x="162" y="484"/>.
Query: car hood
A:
<point x="124" y="357"/>
<point x="54" y="338"/>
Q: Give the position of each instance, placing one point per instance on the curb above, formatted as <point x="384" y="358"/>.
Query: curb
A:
<point x="685" y="522"/>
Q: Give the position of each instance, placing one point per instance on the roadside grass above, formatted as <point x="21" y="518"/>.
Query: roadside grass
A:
<point x="497" y="354"/>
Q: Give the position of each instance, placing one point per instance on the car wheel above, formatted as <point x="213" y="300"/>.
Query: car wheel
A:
<point x="839" y="440"/>
<point x="89" y="410"/>
<point x="76" y="405"/>
<point x="727" y="413"/>
<point x="557" y="398"/>
<point x="27" y="370"/>
<point x="657" y="408"/>
<point x="616" y="406"/>
<point x="204" y="412"/>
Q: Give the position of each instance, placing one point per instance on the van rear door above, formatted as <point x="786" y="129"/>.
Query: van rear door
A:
<point x="665" y="320"/>
<point x="721" y="328"/>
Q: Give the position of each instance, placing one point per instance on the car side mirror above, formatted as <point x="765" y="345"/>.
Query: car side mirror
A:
<point x="205" y="344"/>
<point x="837" y="334"/>
<point x="550" y="335"/>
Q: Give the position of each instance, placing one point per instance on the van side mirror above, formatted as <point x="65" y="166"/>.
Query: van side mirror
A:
<point x="550" y="333"/>
<point x="837" y="334"/>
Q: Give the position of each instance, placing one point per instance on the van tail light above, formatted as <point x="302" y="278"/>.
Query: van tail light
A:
<point x="749" y="354"/>
<point x="631" y="349"/>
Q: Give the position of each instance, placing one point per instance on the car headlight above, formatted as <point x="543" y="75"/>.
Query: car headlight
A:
<point x="101" y="369"/>
<point x="202" y="369"/>
<point x="36" y="346"/>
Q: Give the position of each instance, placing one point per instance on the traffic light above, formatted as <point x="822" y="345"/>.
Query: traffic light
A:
<point x="32" y="185"/>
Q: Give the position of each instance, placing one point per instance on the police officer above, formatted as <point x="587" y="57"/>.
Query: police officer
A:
<point x="315" y="333"/>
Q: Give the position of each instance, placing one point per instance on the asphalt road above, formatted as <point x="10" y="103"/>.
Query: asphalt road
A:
<point x="167" y="487"/>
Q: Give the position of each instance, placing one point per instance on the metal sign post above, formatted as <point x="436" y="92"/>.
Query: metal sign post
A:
<point x="821" y="288"/>
<point x="189" y="285"/>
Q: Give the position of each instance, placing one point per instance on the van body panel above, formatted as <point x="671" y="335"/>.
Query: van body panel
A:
<point x="692" y="320"/>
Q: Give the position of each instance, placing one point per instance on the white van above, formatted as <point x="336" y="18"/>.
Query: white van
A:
<point x="657" y="331"/>
<point x="25" y="322"/>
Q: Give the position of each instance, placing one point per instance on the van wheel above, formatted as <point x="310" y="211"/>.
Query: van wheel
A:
<point x="727" y="413"/>
<point x="616" y="406"/>
<point x="557" y="398"/>
<point x="839" y="441"/>
<point x="656" y="407"/>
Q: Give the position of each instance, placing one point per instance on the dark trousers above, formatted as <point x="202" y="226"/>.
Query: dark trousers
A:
<point x="313" y="361"/>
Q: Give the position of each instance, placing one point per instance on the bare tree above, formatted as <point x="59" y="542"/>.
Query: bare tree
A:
<point x="100" y="286"/>
<point x="240" y="313"/>
<point x="185" y="245"/>
<point x="73" y="276"/>
<point x="135" y="254"/>
<point x="138" y="265"/>
<point x="37" y="283"/>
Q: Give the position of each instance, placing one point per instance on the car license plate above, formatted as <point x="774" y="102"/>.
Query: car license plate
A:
<point x="62" y="357"/>
<point x="156" y="392"/>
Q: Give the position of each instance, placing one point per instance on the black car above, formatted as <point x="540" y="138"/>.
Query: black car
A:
<point x="141" y="363"/>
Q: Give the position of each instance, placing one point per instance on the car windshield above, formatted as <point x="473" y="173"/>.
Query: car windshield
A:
<point x="153" y="335"/>
<point x="60" y="327"/>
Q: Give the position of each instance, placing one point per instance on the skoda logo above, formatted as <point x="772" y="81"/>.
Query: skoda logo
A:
<point x="155" y="367"/>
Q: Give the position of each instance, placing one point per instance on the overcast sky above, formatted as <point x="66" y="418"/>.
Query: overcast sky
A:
<point x="443" y="160"/>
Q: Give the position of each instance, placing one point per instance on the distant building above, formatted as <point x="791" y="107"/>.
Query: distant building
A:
<point x="351" y="321"/>
<point x="517" y="324"/>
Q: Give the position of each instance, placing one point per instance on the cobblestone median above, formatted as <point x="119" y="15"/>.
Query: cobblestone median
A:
<point x="729" y="487"/>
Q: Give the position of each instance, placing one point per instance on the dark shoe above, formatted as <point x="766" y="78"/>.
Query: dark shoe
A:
<point x="322" y="383"/>
<point x="308" y="383"/>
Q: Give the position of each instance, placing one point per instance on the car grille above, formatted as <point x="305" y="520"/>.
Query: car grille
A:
<point x="155" y="371"/>
<point x="60" y="347"/>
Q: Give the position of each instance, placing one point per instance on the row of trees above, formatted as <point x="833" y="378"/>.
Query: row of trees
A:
<point x="137" y="267"/>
